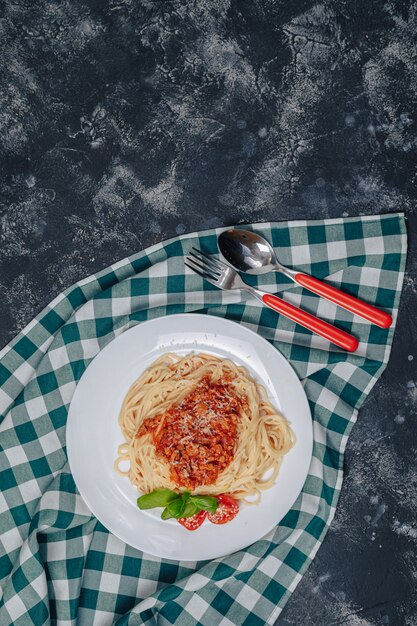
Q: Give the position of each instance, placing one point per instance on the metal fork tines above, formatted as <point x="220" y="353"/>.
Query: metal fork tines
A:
<point x="213" y="270"/>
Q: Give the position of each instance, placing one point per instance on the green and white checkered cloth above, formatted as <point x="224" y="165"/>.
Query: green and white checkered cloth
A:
<point x="58" y="564"/>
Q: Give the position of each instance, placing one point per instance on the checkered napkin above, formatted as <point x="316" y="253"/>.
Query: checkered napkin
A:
<point x="58" y="564"/>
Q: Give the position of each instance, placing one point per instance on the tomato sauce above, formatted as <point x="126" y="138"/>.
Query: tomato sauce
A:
<point x="198" y="436"/>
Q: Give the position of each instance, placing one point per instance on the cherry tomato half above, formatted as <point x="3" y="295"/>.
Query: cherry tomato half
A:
<point x="194" y="522"/>
<point x="227" y="510"/>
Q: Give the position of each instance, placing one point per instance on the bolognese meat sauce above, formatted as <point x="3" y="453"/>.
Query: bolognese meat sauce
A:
<point x="198" y="436"/>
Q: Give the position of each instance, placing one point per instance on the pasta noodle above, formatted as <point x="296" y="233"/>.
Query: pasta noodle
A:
<point x="262" y="436"/>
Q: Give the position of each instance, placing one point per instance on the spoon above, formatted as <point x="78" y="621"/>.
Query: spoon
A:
<point x="250" y="253"/>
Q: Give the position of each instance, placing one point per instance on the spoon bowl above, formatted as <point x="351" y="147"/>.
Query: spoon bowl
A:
<point x="247" y="252"/>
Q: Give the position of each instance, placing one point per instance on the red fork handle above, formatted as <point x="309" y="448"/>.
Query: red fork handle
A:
<point x="333" y="334"/>
<point x="367" y="311"/>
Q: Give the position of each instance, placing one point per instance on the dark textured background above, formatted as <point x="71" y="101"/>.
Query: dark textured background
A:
<point x="123" y="123"/>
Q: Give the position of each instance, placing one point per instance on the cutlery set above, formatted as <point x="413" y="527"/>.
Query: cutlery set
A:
<point x="250" y="253"/>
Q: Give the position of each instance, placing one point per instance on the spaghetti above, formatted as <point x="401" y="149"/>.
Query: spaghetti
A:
<point x="203" y="424"/>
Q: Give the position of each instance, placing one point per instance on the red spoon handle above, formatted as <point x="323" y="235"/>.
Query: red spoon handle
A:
<point x="367" y="311"/>
<point x="333" y="334"/>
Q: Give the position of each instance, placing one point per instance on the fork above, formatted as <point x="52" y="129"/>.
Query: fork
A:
<point x="224" y="277"/>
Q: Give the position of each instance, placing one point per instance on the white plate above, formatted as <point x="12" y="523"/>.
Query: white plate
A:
<point x="93" y="435"/>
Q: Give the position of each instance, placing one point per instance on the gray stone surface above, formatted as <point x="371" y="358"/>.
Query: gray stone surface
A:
<point x="123" y="123"/>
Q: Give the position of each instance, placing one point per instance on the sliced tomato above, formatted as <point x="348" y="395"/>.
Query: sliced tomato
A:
<point x="194" y="522"/>
<point x="227" y="510"/>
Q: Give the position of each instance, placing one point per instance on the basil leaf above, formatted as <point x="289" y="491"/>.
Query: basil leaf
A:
<point x="190" y="509"/>
<point x="166" y="514"/>
<point x="159" y="497"/>
<point x="207" y="503"/>
<point x="176" y="507"/>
